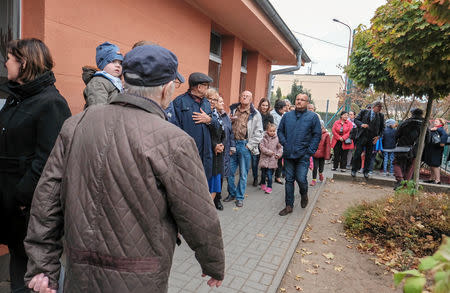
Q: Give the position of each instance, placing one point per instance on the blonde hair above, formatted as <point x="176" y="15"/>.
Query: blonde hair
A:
<point x="443" y="122"/>
<point x="211" y="93"/>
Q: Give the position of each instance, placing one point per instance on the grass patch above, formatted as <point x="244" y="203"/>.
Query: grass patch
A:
<point x="400" y="228"/>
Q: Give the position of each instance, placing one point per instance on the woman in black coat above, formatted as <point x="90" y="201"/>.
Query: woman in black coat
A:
<point x="434" y="150"/>
<point x="29" y="124"/>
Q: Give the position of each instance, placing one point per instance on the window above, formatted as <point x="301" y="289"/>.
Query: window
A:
<point x="215" y="58"/>
<point x="9" y="30"/>
<point x="243" y="76"/>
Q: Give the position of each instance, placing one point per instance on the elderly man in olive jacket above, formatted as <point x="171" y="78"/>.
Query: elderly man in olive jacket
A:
<point x="120" y="184"/>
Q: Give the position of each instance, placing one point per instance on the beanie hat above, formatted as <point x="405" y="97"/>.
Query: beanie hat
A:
<point x="390" y="122"/>
<point x="107" y="53"/>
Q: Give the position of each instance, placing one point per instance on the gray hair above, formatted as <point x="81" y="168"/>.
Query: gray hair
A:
<point x="150" y="92"/>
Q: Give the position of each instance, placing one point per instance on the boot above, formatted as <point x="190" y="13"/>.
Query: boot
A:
<point x="217" y="202"/>
<point x="304" y="201"/>
<point x="285" y="211"/>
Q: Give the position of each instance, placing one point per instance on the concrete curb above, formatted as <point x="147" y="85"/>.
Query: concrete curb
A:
<point x="427" y="187"/>
<point x="291" y="250"/>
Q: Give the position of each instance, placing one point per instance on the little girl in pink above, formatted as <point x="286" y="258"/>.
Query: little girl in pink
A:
<point x="271" y="151"/>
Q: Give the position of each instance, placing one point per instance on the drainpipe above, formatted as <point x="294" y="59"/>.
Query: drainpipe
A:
<point x="284" y="70"/>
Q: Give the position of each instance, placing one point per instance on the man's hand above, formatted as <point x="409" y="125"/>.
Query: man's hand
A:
<point x="375" y="139"/>
<point x="39" y="283"/>
<point x="213" y="282"/>
<point x="219" y="148"/>
<point x="201" y="117"/>
<point x="365" y="125"/>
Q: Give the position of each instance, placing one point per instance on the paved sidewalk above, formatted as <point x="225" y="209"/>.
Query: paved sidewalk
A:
<point x="258" y="244"/>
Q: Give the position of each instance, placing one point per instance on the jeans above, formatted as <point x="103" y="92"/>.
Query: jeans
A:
<point x="266" y="173"/>
<point x="296" y="170"/>
<point x="388" y="156"/>
<point x="242" y="159"/>
<point x="255" y="162"/>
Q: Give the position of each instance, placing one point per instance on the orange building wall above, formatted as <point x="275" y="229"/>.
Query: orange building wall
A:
<point x="73" y="29"/>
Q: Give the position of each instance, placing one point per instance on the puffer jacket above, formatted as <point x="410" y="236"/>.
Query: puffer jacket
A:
<point x="99" y="90"/>
<point x="299" y="133"/>
<point x="119" y="184"/>
<point x="29" y="125"/>
<point x="270" y="149"/>
<point x="255" y="130"/>
<point x="324" y="149"/>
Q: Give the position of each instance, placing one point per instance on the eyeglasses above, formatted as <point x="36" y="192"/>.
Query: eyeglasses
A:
<point x="177" y="83"/>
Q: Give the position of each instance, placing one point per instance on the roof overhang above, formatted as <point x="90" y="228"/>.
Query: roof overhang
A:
<point x="257" y="24"/>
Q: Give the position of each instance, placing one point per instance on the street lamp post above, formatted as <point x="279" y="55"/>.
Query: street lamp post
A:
<point x="348" y="52"/>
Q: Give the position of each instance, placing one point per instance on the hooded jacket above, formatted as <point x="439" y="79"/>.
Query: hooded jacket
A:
<point x="99" y="90"/>
<point x="255" y="130"/>
<point x="324" y="149"/>
<point x="120" y="183"/>
<point x="270" y="149"/>
<point x="29" y="124"/>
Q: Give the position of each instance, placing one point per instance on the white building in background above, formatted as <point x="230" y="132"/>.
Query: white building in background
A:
<point x="323" y="88"/>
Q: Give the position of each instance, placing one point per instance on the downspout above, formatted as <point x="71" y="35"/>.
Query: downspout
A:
<point x="284" y="70"/>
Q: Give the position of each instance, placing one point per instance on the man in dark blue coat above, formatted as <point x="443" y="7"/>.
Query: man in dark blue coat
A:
<point x="299" y="132"/>
<point x="191" y="112"/>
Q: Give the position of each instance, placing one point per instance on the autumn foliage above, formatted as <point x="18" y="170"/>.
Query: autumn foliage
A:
<point x="399" y="229"/>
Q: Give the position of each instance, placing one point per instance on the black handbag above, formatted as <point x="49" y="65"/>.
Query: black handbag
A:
<point x="435" y="137"/>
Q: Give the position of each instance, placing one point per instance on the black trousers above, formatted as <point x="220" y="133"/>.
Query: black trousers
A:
<point x="340" y="156"/>
<point x="17" y="267"/>
<point x="319" y="163"/>
<point x="362" y="145"/>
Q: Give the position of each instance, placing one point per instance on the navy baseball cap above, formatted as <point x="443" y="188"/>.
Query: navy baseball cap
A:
<point x="150" y="65"/>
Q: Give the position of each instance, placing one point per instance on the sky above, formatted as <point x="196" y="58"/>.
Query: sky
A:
<point x="315" y="18"/>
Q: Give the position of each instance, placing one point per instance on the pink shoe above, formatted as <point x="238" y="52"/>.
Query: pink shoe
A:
<point x="313" y="182"/>
<point x="263" y="187"/>
<point x="268" y="190"/>
<point x="321" y="177"/>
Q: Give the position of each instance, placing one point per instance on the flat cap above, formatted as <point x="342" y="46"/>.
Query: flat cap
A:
<point x="198" y="78"/>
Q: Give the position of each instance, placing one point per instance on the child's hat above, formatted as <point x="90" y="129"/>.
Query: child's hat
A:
<point x="107" y="53"/>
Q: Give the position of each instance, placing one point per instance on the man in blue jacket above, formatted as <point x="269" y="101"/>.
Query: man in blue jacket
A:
<point x="299" y="132"/>
<point x="191" y="112"/>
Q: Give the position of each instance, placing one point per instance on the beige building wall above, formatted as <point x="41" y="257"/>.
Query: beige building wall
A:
<point x="322" y="88"/>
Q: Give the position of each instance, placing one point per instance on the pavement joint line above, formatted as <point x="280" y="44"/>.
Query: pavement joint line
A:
<point x="278" y="277"/>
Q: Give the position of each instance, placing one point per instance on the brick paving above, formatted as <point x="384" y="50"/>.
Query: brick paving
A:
<point x="258" y="244"/>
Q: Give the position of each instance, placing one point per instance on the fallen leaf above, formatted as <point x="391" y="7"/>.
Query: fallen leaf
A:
<point x="282" y="290"/>
<point x="349" y="246"/>
<point x="308" y="252"/>
<point x="235" y="209"/>
<point x="329" y="255"/>
<point x="311" y="271"/>
<point x="289" y="271"/>
<point x="305" y="261"/>
<point x="316" y="266"/>
<point x="260" y="235"/>
<point x="332" y="239"/>
<point x="325" y="242"/>
<point x="338" y="268"/>
<point x="313" y="215"/>
<point x="297" y="251"/>
<point x="298" y="277"/>
<point x="328" y="261"/>
<point x="332" y="180"/>
<point x="298" y="288"/>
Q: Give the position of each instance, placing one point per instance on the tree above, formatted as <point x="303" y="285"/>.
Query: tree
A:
<point x="279" y="95"/>
<point x="295" y="90"/>
<point x="416" y="54"/>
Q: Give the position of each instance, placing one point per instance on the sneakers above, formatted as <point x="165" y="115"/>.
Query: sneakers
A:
<point x="268" y="190"/>
<point x="333" y="169"/>
<point x="353" y="173"/>
<point x="366" y="175"/>
<point x="343" y="170"/>
<point x="263" y="187"/>
<point x="304" y="201"/>
<point x="320" y="177"/>
<point x="278" y="180"/>
<point x="229" y="198"/>
<point x="285" y="211"/>
<point x="239" y="203"/>
<point x="313" y="182"/>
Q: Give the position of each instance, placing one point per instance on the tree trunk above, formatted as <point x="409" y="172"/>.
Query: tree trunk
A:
<point x="409" y="107"/>
<point x="385" y="106"/>
<point x="423" y="131"/>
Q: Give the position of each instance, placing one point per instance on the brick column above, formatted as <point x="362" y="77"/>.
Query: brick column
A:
<point x="258" y="68"/>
